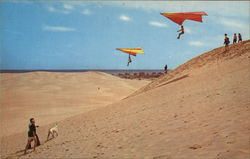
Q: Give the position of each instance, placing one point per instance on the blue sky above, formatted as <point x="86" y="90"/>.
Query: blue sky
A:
<point x="84" y="35"/>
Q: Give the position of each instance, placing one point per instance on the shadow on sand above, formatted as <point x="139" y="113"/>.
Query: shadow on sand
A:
<point x="174" y="80"/>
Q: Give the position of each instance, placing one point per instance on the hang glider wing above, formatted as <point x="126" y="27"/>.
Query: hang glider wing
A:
<point x="179" y="18"/>
<point x="131" y="51"/>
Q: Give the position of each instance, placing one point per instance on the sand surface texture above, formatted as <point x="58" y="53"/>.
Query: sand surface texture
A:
<point x="53" y="96"/>
<point x="198" y="111"/>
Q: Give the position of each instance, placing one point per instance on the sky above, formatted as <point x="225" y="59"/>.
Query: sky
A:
<point x="85" y="35"/>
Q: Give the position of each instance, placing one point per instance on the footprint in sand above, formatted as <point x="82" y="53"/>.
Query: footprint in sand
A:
<point x="205" y="125"/>
<point x="99" y="146"/>
<point x="162" y="157"/>
<point x="195" y="146"/>
<point x="161" y="133"/>
<point x="115" y="131"/>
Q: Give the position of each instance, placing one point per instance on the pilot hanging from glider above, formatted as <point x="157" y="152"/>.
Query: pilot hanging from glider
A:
<point x="131" y="51"/>
<point x="129" y="59"/>
<point x="179" y="18"/>
<point x="181" y="32"/>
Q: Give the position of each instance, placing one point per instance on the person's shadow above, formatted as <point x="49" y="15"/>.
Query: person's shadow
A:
<point x="21" y="152"/>
<point x="48" y="140"/>
<point x="17" y="154"/>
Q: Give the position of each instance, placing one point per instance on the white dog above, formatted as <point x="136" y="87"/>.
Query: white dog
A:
<point x="52" y="131"/>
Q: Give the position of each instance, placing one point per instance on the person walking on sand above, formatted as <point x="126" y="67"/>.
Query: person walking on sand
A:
<point x="31" y="135"/>
<point x="226" y="41"/>
<point x="181" y="32"/>
<point x="235" y="38"/>
<point x="239" y="38"/>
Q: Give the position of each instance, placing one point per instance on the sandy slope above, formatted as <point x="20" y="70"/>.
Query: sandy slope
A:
<point x="198" y="111"/>
<point x="53" y="96"/>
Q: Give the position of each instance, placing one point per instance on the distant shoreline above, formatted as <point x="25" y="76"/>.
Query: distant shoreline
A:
<point x="127" y="74"/>
<point x="84" y="70"/>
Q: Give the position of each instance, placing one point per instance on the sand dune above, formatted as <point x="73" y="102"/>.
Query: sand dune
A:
<point x="53" y="96"/>
<point x="198" y="111"/>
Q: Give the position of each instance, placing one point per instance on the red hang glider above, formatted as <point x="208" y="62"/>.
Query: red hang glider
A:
<point x="179" y="18"/>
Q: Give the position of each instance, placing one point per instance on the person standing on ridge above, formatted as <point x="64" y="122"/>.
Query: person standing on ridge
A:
<point x="235" y="38"/>
<point x="166" y="68"/>
<point x="226" y="41"/>
<point x="239" y="38"/>
<point x="181" y="32"/>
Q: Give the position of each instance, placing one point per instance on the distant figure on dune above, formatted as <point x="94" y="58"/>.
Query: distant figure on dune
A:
<point x="226" y="41"/>
<point x="32" y="136"/>
<point x="239" y="38"/>
<point x="235" y="38"/>
<point x="166" y="68"/>
<point x="181" y="32"/>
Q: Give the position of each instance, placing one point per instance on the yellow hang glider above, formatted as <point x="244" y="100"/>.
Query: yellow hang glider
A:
<point x="131" y="51"/>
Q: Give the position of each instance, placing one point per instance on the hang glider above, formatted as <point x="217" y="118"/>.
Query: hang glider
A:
<point x="179" y="18"/>
<point x="131" y="51"/>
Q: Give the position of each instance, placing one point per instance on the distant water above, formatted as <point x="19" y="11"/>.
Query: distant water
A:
<point x="106" y="71"/>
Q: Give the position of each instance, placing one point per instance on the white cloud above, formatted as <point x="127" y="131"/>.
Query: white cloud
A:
<point x="158" y="24"/>
<point x="196" y="43"/>
<point x="187" y="30"/>
<point x="51" y="9"/>
<point x="86" y="12"/>
<point x="214" y="41"/>
<point x="23" y="1"/>
<point x="68" y="6"/>
<point x="226" y="8"/>
<point x="235" y="26"/>
<point x="233" y="23"/>
<point x="58" y="28"/>
<point x="124" y="18"/>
